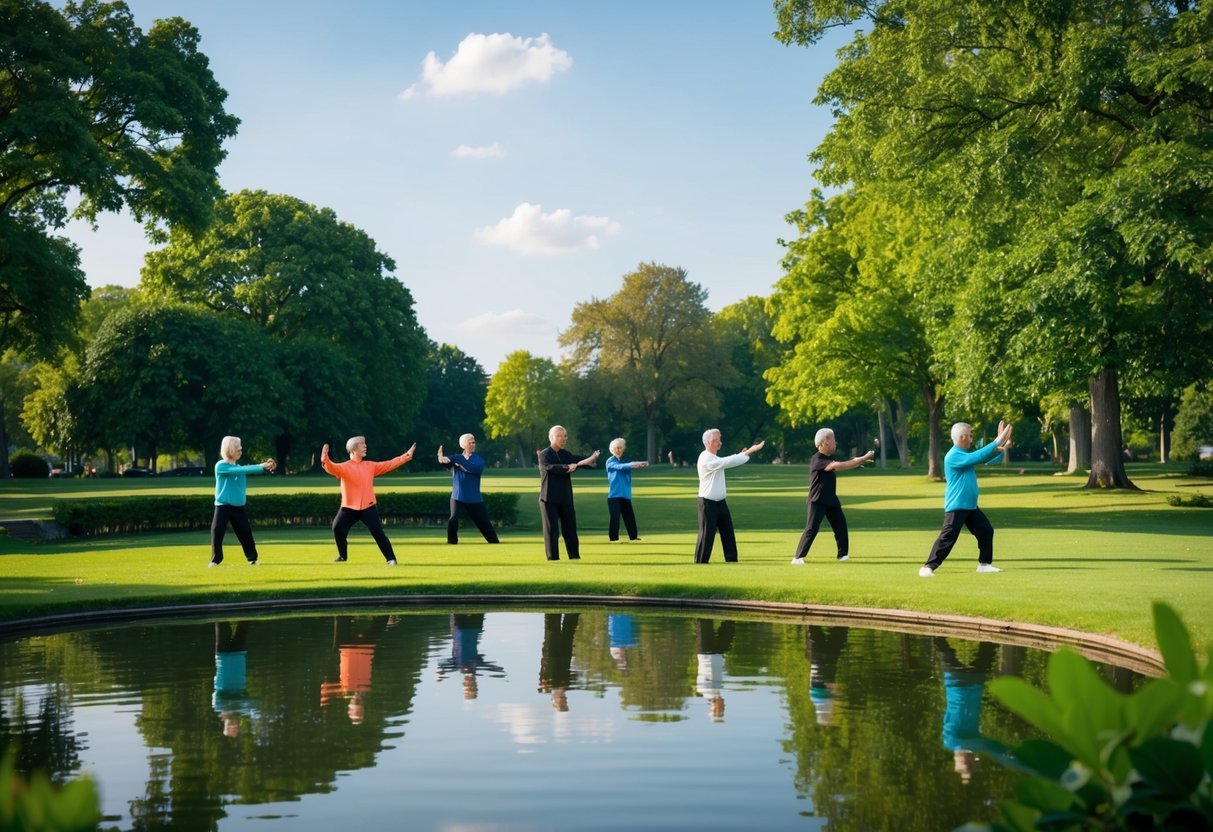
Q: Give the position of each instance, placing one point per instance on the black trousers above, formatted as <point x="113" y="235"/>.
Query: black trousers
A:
<point x="971" y="519"/>
<point x="838" y="522"/>
<point x="347" y="517"/>
<point x="559" y="520"/>
<point x="238" y="517"/>
<point x="479" y="515"/>
<point x="621" y="506"/>
<point x="714" y="516"/>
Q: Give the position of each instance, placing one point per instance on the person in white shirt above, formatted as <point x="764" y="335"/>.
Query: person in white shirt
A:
<point x="713" y="510"/>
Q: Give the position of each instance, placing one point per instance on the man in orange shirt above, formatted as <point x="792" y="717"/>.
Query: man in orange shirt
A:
<point x="358" y="494"/>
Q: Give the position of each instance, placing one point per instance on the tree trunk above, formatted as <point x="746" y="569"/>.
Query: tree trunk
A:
<point x="901" y="433"/>
<point x="1166" y="421"/>
<point x="934" y="403"/>
<point x="1080" y="439"/>
<point x="1107" y="457"/>
<point x="5" y="472"/>
<point x="650" y="448"/>
<point x="282" y="448"/>
<point x="881" y="438"/>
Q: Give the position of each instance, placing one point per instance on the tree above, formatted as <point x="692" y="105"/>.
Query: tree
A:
<point x="653" y="345"/>
<point x="745" y="328"/>
<point x="525" y="397"/>
<point x="94" y="109"/>
<point x="1069" y="143"/>
<point x="1194" y="422"/>
<point x="455" y="387"/>
<point x="297" y="272"/>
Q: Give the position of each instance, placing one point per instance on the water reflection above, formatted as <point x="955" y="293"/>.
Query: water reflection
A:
<point x="324" y="719"/>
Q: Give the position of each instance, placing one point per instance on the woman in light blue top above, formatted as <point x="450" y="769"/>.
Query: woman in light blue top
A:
<point x="231" y="482"/>
<point x="619" y="493"/>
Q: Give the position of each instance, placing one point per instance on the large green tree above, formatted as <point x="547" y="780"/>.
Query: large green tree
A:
<point x="652" y="345"/>
<point x="455" y="387"/>
<point x="526" y="396"/>
<point x="299" y="272"/>
<point x="95" y="110"/>
<point x="1070" y="144"/>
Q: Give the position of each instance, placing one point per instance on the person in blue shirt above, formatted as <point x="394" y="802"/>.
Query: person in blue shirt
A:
<point x="231" y="482"/>
<point x="619" y="490"/>
<point x="466" y="469"/>
<point x="960" y="498"/>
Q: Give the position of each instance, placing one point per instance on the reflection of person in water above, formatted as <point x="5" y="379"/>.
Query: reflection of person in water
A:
<point x="711" y="643"/>
<point x="355" y="639"/>
<point x="621" y="633"/>
<point x="825" y="645"/>
<point x="466" y="629"/>
<point x="231" y="700"/>
<point x="556" y="675"/>
<point x="964" y="685"/>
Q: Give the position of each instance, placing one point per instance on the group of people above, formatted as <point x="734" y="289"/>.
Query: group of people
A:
<point x="559" y="518"/>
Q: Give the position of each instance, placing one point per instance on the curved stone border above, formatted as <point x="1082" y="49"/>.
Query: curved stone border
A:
<point x="1096" y="647"/>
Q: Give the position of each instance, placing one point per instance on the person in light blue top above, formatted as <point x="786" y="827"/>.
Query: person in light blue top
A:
<point x="231" y="483"/>
<point x="619" y="490"/>
<point x="960" y="498"/>
<point x="466" y="469"/>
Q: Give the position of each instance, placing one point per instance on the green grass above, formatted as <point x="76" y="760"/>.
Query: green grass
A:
<point x="1092" y="561"/>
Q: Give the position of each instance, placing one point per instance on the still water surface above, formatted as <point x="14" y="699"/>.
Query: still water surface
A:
<point x="474" y="720"/>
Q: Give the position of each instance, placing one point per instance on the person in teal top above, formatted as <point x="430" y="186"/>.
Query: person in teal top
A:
<point x="231" y="483"/>
<point x="960" y="498"/>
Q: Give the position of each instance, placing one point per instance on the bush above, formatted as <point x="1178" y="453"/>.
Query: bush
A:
<point x="36" y="805"/>
<point x="1195" y="501"/>
<point x="1141" y="761"/>
<point x="1201" y="468"/>
<point x="28" y="466"/>
<point x="147" y="514"/>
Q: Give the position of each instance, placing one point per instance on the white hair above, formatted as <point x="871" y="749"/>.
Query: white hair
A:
<point x="463" y="440"/>
<point x="553" y="430"/>
<point x="617" y="442"/>
<point x="707" y="434"/>
<point x="957" y="429"/>
<point x="822" y="435"/>
<point x="353" y="443"/>
<point x="227" y="448"/>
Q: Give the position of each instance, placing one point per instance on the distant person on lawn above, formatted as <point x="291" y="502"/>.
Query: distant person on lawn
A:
<point x="357" y="477"/>
<point x="960" y="498"/>
<point x="231" y="483"/>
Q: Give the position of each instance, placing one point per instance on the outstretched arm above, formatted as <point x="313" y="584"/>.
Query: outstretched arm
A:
<point x="847" y="465"/>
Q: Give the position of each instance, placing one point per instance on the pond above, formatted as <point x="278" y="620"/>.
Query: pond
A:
<point x="507" y="720"/>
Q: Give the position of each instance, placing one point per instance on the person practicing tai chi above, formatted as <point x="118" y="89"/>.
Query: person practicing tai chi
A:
<point x="960" y="498"/>
<point x="713" y="510"/>
<point x="357" y="477"/>
<point x="231" y="483"/>
<point x="619" y="490"/>
<point x="557" y="513"/>
<point x="823" y="496"/>
<point x="466" y="469"/>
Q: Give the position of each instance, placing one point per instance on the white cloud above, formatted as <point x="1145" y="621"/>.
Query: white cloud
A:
<point x="494" y="63"/>
<point x="504" y="323"/>
<point x="466" y="151"/>
<point x="530" y="231"/>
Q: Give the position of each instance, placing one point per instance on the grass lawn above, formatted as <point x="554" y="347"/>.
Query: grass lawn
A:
<point x="1084" y="560"/>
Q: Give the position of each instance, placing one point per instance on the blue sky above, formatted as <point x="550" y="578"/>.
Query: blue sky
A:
<point x="515" y="159"/>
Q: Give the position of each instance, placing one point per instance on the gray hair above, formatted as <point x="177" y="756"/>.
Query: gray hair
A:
<point x="227" y="448"/>
<point x="822" y="435"/>
<point x="463" y="440"/>
<point x="617" y="442"/>
<point x="553" y="430"/>
<point x="957" y="429"/>
<point x="353" y="443"/>
<point x="707" y="434"/>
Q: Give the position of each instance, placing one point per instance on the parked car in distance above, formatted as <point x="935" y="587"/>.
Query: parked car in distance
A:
<point x="138" y="472"/>
<point x="185" y="471"/>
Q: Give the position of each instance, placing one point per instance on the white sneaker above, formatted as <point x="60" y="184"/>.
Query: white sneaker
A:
<point x="987" y="568"/>
<point x="926" y="572"/>
<point x="798" y="561"/>
<point x="844" y="557"/>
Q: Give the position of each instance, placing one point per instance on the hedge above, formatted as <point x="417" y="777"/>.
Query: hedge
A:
<point x="83" y="518"/>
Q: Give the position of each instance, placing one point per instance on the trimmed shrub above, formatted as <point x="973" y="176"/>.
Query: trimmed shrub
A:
<point x="147" y="514"/>
<point x="27" y="466"/>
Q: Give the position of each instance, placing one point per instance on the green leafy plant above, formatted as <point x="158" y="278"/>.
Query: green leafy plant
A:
<point x="36" y="805"/>
<point x="1113" y="761"/>
<point x="26" y="465"/>
<point x="1195" y="501"/>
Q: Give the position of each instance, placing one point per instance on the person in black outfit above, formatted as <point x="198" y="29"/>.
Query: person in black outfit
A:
<point x="823" y="496"/>
<point x="556" y="661"/>
<point x="556" y="467"/>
